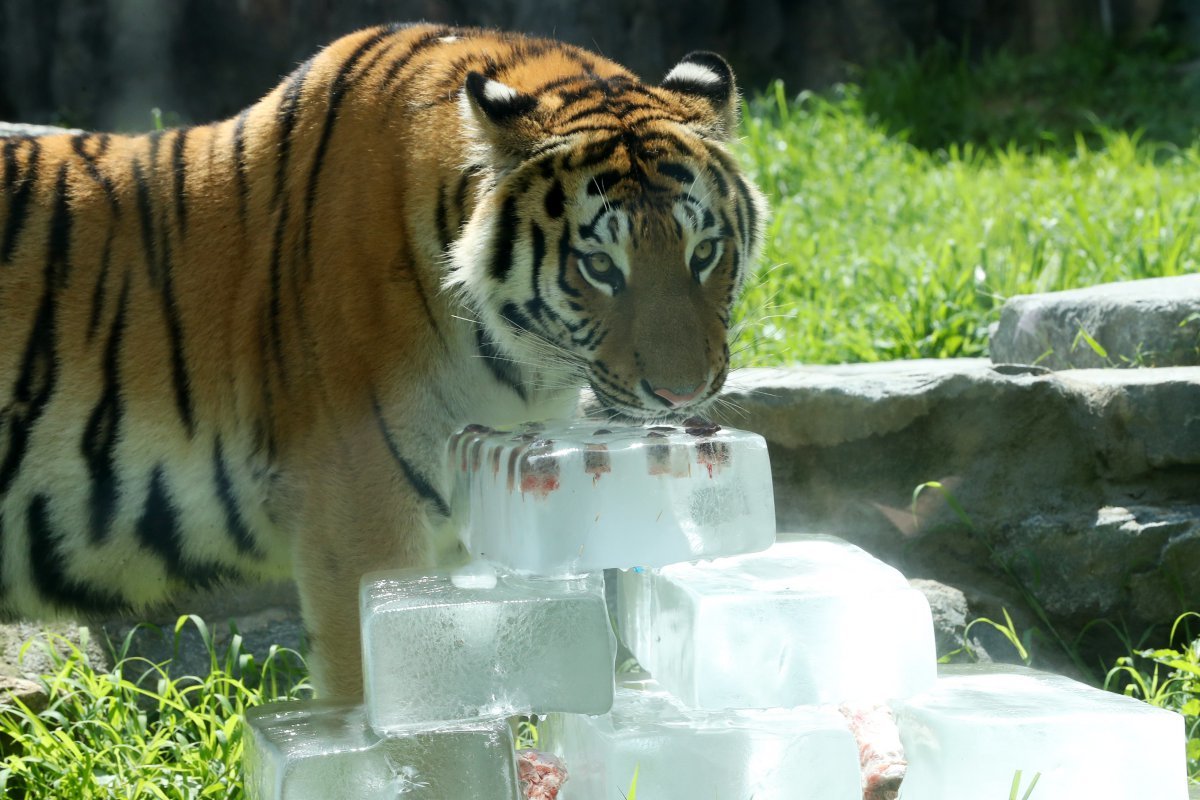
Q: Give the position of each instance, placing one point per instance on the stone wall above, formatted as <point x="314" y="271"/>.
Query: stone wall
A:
<point x="105" y="63"/>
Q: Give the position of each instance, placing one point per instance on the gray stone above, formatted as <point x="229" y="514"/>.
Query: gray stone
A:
<point x="1077" y="489"/>
<point x="950" y="610"/>
<point x="262" y="616"/>
<point x="30" y="649"/>
<point x="8" y="129"/>
<point x="32" y="695"/>
<point x="1154" y="322"/>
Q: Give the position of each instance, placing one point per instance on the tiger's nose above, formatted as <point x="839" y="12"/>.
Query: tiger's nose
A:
<point x="676" y="397"/>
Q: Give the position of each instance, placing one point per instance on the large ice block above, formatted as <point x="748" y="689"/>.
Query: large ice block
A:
<point x="970" y="733"/>
<point x="811" y="620"/>
<point x="317" y="751"/>
<point x="776" y="754"/>
<point x="434" y="650"/>
<point x="583" y="496"/>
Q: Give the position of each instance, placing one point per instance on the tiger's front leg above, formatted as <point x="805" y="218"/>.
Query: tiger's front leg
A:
<point x="363" y="507"/>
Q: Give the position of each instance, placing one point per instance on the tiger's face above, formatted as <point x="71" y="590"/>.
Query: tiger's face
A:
<point x="615" y="247"/>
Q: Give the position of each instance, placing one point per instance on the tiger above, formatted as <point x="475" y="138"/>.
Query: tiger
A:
<point x="234" y="352"/>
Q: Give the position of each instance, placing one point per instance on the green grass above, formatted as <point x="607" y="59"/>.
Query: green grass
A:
<point x="940" y="97"/>
<point x="134" y="731"/>
<point x="878" y="249"/>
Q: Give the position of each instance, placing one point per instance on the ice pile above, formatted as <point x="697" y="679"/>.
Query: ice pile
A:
<point x="581" y="497"/>
<point x="981" y="724"/>
<point x="751" y="655"/>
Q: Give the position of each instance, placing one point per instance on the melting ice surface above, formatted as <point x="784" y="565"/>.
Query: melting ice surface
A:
<point x="796" y="754"/>
<point x="436" y="650"/>
<point x="979" y="724"/>
<point x="573" y="497"/>
<point x="317" y="751"/>
<point x="814" y="619"/>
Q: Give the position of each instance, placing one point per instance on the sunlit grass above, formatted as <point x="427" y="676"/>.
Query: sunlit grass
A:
<point x="880" y="250"/>
<point x="136" y="732"/>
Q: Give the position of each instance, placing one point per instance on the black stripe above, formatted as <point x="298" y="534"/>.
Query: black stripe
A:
<point x="676" y="172"/>
<point x="501" y="366"/>
<point x="751" y="214"/>
<point x="422" y="294"/>
<point x="460" y="193"/>
<point x="274" y="310"/>
<point x="337" y="93"/>
<point x="601" y="183"/>
<point x="235" y="523"/>
<point x="506" y="231"/>
<point x="46" y="562"/>
<point x="239" y="163"/>
<point x="441" y="219"/>
<point x="35" y="384"/>
<point x="179" y="170"/>
<point x="150" y="252"/>
<point x="19" y="189"/>
<point x="515" y="318"/>
<point x="740" y="219"/>
<point x="564" y="259"/>
<point x="59" y="246"/>
<point x="39" y="366"/>
<point x="719" y="180"/>
<point x="158" y="530"/>
<point x="596" y="153"/>
<point x="100" y="291"/>
<point x="418" y="481"/>
<point x="556" y="201"/>
<point x="174" y="322"/>
<point x="79" y="144"/>
<point x="99" y="441"/>
<point x="288" y="108"/>
<point x="401" y="62"/>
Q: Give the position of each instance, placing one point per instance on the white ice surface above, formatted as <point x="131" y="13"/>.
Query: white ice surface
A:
<point x="568" y="498"/>
<point x="969" y="734"/>
<point x="318" y="751"/>
<point x="436" y="651"/>
<point x="679" y="753"/>
<point x="811" y="620"/>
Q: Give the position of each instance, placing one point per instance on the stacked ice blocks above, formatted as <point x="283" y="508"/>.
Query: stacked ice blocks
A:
<point x="448" y="657"/>
<point x="434" y="650"/>
<point x="780" y="628"/>
<point x="980" y="724"/>
<point x="582" y="497"/>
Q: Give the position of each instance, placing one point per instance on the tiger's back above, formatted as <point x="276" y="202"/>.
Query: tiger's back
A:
<point x="234" y="351"/>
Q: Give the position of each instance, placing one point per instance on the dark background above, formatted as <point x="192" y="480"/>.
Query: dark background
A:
<point x="106" y="63"/>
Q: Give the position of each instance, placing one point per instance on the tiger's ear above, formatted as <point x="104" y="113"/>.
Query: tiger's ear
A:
<point x="707" y="77"/>
<point x="503" y="120"/>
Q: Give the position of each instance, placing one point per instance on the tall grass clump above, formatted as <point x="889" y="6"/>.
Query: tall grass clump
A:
<point x="136" y="731"/>
<point x="877" y="249"/>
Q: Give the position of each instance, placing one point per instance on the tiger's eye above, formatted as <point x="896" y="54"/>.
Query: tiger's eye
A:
<point x="704" y="250"/>
<point x="599" y="263"/>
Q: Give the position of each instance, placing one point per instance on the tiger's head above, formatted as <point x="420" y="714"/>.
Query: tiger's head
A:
<point x="615" y="231"/>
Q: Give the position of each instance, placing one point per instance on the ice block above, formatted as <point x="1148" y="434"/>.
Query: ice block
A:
<point x="970" y="733"/>
<point x="794" y="754"/>
<point x="574" y="497"/>
<point x="812" y="620"/>
<point x="434" y="650"/>
<point x="316" y="751"/>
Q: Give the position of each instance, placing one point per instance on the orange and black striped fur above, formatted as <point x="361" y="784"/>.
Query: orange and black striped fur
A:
<point x="235" y="351"/>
